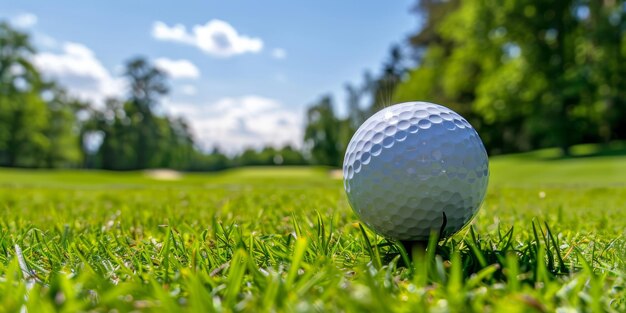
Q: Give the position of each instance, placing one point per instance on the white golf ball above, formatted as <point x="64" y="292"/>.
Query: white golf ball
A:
<point x="413" y="168"/>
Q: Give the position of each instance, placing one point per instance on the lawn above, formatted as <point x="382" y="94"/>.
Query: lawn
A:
<point x="550" y="236"/>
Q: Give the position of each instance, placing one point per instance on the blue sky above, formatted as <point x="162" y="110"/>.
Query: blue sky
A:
<point x="242" y="72"/>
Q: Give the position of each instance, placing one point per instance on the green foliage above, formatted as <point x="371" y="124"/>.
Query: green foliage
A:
<point x="40" y="124"/>
<point x="382" y="88"/>
<point x="421" y="81"/>
<point x="34" y="132"/>
<point x="133" y="136"/>
<point x="284" y="239"/>
<point x="63" y="148"/>
<point x="527" y="74"/>
<point x="269" y="156"/>
<point x="321" y="135"/>
<point x="147" y="84"/>
<point x="327" y="135"/>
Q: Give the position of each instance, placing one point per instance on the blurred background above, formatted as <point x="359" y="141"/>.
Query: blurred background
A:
<point x="212" y="85"/>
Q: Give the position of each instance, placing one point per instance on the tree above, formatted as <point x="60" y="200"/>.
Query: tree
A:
<point x="321" y="135"/>
<point x="117" y="150"/>
<point x="133" y="135"/>
<point x="23" y="114"/>
<point x="605" y="28"/>
<point x="430" y="13"/>
<point x="382" y="88"/>
<point x="180" y="144"/>
<point x="147" y="84"/>
<point x="451" y="52"/>
<point x="356" y="114"/>
<point x="37" y="118"/>
<point x="290" y="156"/>
<point x="62" y="131"/>
<point x="526" y="73"/>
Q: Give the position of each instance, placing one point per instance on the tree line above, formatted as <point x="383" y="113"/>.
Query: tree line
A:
<point x="42" y="126"/>
<point x="527" y="74"/>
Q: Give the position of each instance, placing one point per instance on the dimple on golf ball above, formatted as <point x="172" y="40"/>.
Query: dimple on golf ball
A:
<point x="414" y="168"/>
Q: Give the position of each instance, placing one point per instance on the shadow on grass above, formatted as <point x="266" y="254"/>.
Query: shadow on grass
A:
<point x="592" y="151"/>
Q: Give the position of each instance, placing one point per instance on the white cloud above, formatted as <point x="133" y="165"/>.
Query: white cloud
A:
<point x="236" y="123"/>
<point x="45" y="41"/>
<point x="279" y="53"/>
<point x="188" y="90"/>
<point x="177" y="68"/>
<point x="24" y="20"/>
<point x="81" y="72"/>
<point x="216" y="38"/>
<point x="177" y="32"/>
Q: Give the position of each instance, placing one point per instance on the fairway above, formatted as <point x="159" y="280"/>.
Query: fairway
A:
<point x="550" y="236"/>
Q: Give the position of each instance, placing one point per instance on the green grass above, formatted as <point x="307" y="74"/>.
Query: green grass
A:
<point x="551" y="235"/>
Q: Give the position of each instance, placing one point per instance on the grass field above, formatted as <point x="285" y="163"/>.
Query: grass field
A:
<point x="550" y="237"/>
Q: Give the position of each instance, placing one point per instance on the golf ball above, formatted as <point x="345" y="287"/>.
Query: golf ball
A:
<point x="413" y="168"/>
